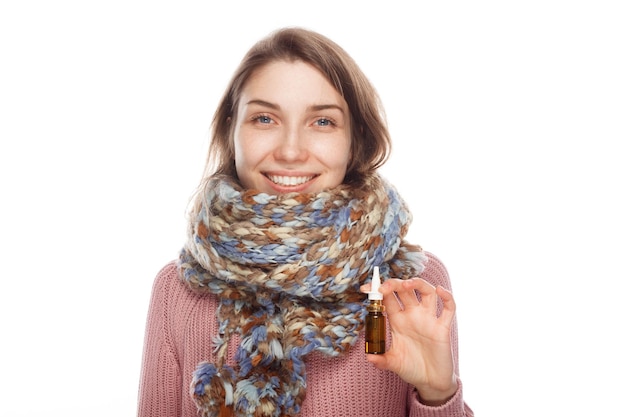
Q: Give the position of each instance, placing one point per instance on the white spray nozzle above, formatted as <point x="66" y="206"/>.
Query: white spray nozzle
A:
<point x="374" y="293"/>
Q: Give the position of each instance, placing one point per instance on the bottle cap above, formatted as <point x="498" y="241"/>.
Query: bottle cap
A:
<point x="374" y="293"/>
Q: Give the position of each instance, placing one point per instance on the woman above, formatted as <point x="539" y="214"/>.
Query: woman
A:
<point x="263" y="313"/>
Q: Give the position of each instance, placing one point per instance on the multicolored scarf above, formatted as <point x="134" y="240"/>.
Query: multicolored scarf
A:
<point x="287" y="271"/>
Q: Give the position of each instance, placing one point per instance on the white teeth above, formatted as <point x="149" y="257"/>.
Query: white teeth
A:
<point x="288" y="181"/>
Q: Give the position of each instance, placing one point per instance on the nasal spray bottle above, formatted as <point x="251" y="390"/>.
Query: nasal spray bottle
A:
<point x="375" y="321"/>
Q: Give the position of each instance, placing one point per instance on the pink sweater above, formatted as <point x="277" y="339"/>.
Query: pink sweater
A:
<point x="180" y="328"/>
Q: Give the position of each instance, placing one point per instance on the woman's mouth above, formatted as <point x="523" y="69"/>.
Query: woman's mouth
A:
<point x="289" y="181"/>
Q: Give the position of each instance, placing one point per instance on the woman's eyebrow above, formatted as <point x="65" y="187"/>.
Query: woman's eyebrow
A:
<point x="318" y="107"/>
<point x="263" y="103"/>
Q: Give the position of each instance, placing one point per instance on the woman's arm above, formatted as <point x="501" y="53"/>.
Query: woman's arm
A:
<point x="160" y="383"/>
<point x="424" y="349"/>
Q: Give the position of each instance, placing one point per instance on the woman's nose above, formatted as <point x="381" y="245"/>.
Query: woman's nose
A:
<point x="291" y="146"/>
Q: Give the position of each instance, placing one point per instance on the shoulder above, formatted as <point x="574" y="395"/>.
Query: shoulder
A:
<point x="166" y="274"/>
<point x="173" y="298"/>
<point x="435" y="271"/>
<point x="169" y="286"/>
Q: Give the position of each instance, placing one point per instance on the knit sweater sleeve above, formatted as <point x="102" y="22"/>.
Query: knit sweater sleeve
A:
<point x="160" y="382"/>
<point x="437" y="274"/>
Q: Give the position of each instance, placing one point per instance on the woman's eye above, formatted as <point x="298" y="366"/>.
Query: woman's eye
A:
<point x="324" y="122"/>
<point x="264" y="119"/>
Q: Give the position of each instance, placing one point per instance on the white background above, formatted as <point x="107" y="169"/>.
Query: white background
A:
<point x="508" y="119"/>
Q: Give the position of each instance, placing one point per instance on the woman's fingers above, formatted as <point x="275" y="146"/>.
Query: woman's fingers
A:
<point x="427" y="293"/>
<point x="416" y="292"/>
<point x="406" y="295"/>
<point x="449" y="305"/>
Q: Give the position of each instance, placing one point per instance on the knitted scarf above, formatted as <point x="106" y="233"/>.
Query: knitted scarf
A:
<point x="286" y="270"/>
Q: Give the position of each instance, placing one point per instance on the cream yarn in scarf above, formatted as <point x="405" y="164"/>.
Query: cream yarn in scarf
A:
<point x="287" y="270"/>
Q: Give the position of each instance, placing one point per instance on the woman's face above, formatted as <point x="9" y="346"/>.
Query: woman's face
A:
<point x="292" y="130"/>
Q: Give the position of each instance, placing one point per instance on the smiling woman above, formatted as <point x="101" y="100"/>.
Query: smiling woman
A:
<point x="292" y="130"/>
<point x="263" y="313"/>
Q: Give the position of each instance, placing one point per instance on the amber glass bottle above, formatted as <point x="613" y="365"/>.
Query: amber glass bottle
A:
<point x="375" y="328"/>
<point x="375" y="321"/>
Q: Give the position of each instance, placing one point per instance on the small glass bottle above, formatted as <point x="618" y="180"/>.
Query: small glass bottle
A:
<point x="375" y="321"/>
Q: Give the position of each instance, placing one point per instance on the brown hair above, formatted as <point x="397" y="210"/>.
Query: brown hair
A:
<point x="371" y="143"/>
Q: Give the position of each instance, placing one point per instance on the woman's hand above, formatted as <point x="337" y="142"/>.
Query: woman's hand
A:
<point x="421" y="350"/>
